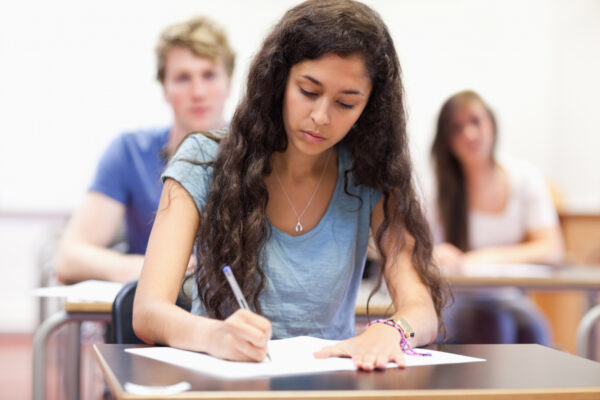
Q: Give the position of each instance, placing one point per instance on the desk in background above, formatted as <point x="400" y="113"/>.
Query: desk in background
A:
<point x="578" y="287"/>
<point x="582" y="237"/>
<point x="585" y="281"/>
<point x="517" y="371"/>
<point x="581" y="232"/>
<point x="73" y="313"/>
<point x="582" y="279"/>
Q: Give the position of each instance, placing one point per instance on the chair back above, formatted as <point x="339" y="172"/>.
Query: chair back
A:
<point x="122" y="314"/>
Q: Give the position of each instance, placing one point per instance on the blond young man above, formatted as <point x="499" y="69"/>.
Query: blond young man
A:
<point x="194" y="65"/>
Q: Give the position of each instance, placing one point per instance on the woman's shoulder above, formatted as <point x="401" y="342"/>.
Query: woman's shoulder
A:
<point x="200" y="146"/>
<point x="521" y="172"/>
<point x="508" y="160"/>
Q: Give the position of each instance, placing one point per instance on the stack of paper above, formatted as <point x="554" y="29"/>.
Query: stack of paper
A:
<point x="507" y="270"/>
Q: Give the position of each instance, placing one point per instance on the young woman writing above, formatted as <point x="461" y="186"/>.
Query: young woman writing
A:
<point x="316" y="155"/>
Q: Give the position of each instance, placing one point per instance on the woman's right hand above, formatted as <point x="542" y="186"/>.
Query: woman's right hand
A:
<point x="243" y="336"/>
<point x="448" y="257"/>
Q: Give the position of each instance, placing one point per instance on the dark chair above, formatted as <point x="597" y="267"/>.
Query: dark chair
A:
<point x="122" y="313"/>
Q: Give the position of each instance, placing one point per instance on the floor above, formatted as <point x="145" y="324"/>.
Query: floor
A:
<point x="16" y="359"/>
<point x="15" y="366"/>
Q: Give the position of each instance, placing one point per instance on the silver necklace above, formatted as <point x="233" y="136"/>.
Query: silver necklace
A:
<point x="299" y="227"/>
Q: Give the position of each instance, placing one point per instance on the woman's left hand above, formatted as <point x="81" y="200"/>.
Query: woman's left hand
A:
<point x="378" y="345"/>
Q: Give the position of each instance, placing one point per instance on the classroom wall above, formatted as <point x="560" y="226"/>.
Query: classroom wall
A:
<point x="75" y="74"/>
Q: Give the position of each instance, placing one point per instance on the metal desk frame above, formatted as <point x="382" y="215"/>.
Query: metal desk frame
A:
<point x="72" y="314"/>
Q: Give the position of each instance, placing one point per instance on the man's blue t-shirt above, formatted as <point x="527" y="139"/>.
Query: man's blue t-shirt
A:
<point x="129" y="172"/>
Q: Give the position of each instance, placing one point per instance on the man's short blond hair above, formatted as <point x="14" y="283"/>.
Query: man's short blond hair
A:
<point x="203" y="36"/>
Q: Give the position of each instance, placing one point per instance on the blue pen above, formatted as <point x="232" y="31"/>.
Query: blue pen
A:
<point x="239" y="296"/>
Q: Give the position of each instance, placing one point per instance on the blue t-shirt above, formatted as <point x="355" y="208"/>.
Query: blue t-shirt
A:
<point x="129" y="172"/>
<point x="312" y="279"/>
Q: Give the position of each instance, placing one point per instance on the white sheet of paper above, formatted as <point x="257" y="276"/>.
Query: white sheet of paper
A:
<point x="290" y="356"/>
<point x="86" y="291"/>
<point x="144" y="390"/>
<point x="507" y="270"/>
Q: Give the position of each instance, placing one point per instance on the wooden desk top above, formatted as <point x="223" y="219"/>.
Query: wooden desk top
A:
<point x="87" y="307"/>
<point x="512" y="371"/>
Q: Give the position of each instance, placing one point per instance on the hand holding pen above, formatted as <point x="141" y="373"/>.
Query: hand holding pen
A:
<point x="252" y="321"/>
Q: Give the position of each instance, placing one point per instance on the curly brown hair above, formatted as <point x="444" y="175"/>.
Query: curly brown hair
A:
<point x="233" y="224"/>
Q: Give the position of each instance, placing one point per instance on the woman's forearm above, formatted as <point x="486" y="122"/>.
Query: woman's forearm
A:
<point x="157" y="322"/>
<point x="533" y="252"/>
<point x="420" y="315"/>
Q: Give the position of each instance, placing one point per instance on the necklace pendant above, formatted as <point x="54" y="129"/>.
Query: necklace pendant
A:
<point x="299" y="227"/>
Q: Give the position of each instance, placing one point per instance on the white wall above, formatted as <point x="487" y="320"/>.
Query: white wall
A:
<point x="73" y="74"/>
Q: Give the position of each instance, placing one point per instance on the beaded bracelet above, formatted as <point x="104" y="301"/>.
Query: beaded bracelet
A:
<point x="404" y="345"/>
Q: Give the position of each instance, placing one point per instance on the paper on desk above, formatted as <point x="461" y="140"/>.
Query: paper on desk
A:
<point x="290" y="356"/>
<point x="86" y="291"/>
<point x="144" y="390"/>
<point x="507" y="270"/>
